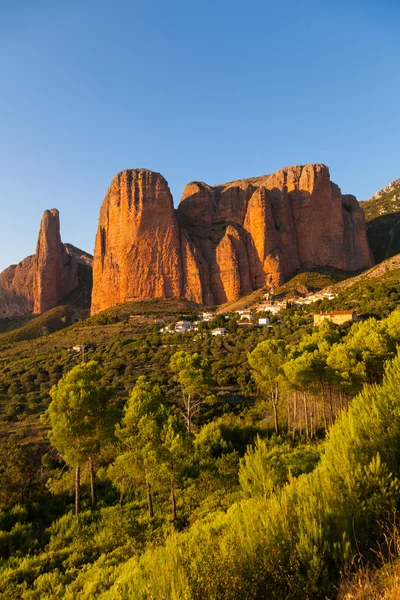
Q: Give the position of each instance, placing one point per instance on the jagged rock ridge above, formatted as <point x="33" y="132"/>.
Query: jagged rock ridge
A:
<point x="222" y="241"/>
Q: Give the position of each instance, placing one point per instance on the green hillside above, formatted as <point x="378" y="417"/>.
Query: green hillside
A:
<point x="313" y="280"/>
<point x="386" y="201"/>
<point x="382" y="214"/>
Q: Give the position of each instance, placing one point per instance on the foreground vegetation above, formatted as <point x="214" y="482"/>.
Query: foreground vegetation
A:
<point x="264" y="464"/>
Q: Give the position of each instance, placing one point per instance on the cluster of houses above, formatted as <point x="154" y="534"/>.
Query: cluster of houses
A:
<point x="310" y="298"/>
<point x="248" y="318"/>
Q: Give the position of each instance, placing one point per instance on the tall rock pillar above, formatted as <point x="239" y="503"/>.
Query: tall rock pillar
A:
<point x="55" y="271"/>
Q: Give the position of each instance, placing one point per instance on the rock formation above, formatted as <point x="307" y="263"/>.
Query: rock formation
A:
<point x="56" y="271"/>
<point x="222" y="241"/>
<point x="16" y="289"/>
<point x="41" y="281"/>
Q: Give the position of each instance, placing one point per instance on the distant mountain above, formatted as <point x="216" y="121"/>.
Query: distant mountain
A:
<point x="382" y="213"/>
<point x="384" y="202"/>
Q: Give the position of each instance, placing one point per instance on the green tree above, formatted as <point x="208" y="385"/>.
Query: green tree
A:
<point x="372" y="345"/>
<point x="82" y="420"/>
<point x="267" y="362"/>
<point x="19" y="472"/>
<point x="192" y="372"/>
<point x="176" y="449"/>
<point x="140" y="436"/>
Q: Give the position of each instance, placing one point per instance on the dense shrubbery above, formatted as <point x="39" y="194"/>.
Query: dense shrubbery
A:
<point x="217" y="481"/>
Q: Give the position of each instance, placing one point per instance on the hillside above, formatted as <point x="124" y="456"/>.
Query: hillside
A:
<point x="388" y="269"/>
<point x="75" y="306"/>
<point x="384" y="202"/>
<point x="382" y="214"/>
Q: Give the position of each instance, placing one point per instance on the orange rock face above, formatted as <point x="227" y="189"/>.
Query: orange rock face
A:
<point x="139" y="250"/>
<point x="41" y="281"/>
<point x="16" y="289"/>
<point x="222" y="241"/>
<point x="56" y="271"/>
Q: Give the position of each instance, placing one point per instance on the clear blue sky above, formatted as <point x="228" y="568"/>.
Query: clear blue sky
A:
<point x="209" y="90"/>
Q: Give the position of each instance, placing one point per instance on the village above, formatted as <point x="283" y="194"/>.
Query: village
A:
<point x="255" y="316"/>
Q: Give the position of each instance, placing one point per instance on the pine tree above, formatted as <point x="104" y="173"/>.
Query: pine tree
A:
<point x="82" y="420"/>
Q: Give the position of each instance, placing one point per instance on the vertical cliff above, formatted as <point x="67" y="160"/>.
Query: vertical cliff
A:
<point x="41" y="281"/>
<point x="55" y="271"/>
<point x="222" y="241"/>
<point x="139" y="250"/>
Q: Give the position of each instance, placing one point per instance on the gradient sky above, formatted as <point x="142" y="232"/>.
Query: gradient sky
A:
<point x="197" y="90"/>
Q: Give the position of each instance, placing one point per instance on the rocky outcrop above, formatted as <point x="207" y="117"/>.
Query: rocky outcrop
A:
<point x="139" y="250"/>
<point x="41" y="281"/>
<point x="222" y="241"/>
<point x="56" y="271"/>
<point x="16" y="289"/>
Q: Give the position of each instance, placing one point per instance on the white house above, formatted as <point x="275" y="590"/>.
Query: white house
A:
<point x="207" y="316"/>
<point x="245" y="314"/>
<point x="218" y="331"/>
<point x="182" y="327"/>
<point x="272" y="308"/>
<point x="263" y="321"/>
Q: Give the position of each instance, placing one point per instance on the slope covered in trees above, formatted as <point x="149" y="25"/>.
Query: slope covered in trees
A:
<point x="256" y="465"/>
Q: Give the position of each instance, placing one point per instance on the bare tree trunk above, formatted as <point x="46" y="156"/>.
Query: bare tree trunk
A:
<point x="149" y="500"/>
<point x="330" y="406"/>
<point x="288" y="414"/>
<point x="92" y="482"/>
<point x="189" y="414"/>
<point x="173" y="503"/>
<point x="275" y="398"/>
<point x="121" y="499"/>
<point x="294" y="414"/>
<point x="77" y="489"/>
<point x="305" y="413"/>
<point x="324" y="407"/>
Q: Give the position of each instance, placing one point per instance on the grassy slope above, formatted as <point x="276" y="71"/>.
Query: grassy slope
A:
<point x="73" y="307"/>
<point x="387" y="203"/>
<point x="303" y="282"/>
<point x="151" y="307"/>
<point x="317" y="279"/>
<point x="385" y="271"/>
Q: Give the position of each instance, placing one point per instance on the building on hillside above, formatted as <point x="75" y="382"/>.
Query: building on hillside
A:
<point x="245" y="325"/>
<point x="262" y="321"/>
<point x="272" y="308"/>
<point x="182" y="327"/>
<point x="218" y="331"/>
<point x="77" y="349"/>
<point x="207" y="316"/>
<point x="245" y="314"/>
<point x="157" y="321"/>
<point x="338" y="317"/>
